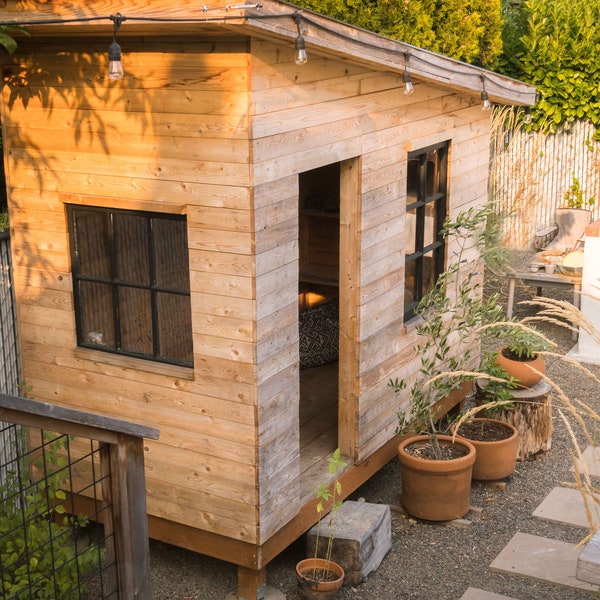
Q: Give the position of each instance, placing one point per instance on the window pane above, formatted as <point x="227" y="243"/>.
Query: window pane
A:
<point x="175" y="327"/>
<point x="171" y="254"/>
<point x="433" y="172"/>
<point x="429" y="275"/>
<point x="135" y="317"/>
<point x="410" y="290"/>
<point x="92" y="244"/>
<point x="410" y="234"/>
<point x="131" y="247"/>
<point x="97" y="324"/>
<point x="413" y="180"/>
<point x="430" y="231"/>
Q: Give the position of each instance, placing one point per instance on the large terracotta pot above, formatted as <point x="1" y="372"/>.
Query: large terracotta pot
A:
<point x="311" y="589"/>
<point x="526" y="372"/>
<point x="494" y="459"/>
<point x="436" y="490"/>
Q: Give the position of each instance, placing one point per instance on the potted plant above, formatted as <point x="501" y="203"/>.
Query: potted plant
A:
<point x="321" y="577"/>
<point x="572" y="218"/>
<point x="495" y="440"/>
<point x="436" y="469"/>
<point x="520" y="358"/>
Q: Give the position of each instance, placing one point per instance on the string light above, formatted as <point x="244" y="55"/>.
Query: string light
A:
<point x="485" y="99"/>
<point x="527" y="117"/>
<point x="115" y="67"/>
<point x="300" y="45"/>
<point x="421" y="56"/>
<point x="409" y="88"/>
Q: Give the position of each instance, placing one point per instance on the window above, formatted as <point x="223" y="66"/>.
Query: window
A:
<point x="426" y="191"/>
<point x="131" y="283"/>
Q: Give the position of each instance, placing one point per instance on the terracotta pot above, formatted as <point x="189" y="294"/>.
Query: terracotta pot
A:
<point x="524" y="371"/>
<point x="436" y="490"/>
<point x="318" y="589"/>
<point x="494" y="459"/>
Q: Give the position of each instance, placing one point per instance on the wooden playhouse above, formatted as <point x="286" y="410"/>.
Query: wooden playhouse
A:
<point x="188" y="237"/>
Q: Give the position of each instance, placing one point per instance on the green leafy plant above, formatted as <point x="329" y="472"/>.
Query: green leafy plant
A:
<point x="3" y="222"/>
<point x="557" y="52"/>
<point x="329" y="501"/>
<point x="8" y="41"/>
<point x="575" y="198"/>
<point x="468" y="30"/>
<point x="38" y="553"/>
<point x="525" y="342"/>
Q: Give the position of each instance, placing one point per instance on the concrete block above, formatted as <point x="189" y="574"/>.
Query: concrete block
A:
<point x="362" y="537"/>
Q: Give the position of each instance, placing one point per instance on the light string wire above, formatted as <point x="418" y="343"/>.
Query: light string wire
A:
<point x="405" y="53"/>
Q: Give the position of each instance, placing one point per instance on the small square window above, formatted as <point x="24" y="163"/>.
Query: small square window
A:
<point x="131" y="283"/>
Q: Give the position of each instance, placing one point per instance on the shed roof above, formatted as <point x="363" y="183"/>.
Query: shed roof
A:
<point x="272" y="19"/>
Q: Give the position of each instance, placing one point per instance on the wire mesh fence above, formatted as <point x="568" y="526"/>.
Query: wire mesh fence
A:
<point x="47" y="548"/>
<point x="9" y="351"/>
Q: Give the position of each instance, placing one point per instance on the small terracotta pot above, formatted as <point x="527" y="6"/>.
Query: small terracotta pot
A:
<point x="494" y="459"/>
<point x="436" y="490"/>
<point x="311" y="589"/>
<point x="526" y="372"/>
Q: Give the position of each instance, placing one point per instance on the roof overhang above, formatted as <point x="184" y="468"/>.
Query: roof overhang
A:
<point x="271" y="19"/>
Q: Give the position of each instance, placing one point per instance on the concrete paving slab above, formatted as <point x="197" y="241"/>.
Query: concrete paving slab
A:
<point x="565" y="505"/>
<point x="591" y="461"/>
<point x="477" y="594"/>
<point x="542" y="559"/>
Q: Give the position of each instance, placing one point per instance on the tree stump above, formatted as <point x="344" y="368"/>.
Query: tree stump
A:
<point x="531" y="415"/>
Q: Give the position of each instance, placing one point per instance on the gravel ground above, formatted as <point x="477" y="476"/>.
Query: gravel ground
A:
<point x="426" y="560"/>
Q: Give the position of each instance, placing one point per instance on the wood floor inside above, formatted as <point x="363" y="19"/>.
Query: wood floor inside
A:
<point x="318" y="424"/>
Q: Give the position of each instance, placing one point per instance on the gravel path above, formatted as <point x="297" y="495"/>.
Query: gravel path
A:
<point x="427" y="561"/>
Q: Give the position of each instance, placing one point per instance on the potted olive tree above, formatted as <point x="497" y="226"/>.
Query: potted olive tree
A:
<point x="454" y="317"/>
<point x="436" y="469"/>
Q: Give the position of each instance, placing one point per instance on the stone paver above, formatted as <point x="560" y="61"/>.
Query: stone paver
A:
<point x="591" y="459"/>
<point x="542" y="559"/>
<point x="565" y="505"/>
<point x="477" y="594"/>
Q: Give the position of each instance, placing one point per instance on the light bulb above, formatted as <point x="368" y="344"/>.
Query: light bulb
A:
<point x="527" y="117"/>
<point x="409" y="88"/>
<point x="115" y="68"/>
<point x="486" y="101"/>
<point x="301" y="56"/>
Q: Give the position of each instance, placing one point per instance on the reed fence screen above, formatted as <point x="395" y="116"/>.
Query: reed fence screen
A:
<point x="530" y="173"/>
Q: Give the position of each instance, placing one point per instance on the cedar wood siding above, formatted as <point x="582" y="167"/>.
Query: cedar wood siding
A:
<point x="219" y="130"/>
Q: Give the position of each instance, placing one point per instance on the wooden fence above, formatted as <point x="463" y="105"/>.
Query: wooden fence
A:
<point x="104" y="484"/>
<point x="530" y="173"/>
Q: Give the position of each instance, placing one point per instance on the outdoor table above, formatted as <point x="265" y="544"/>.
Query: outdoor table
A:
<point x="540" y="280"/>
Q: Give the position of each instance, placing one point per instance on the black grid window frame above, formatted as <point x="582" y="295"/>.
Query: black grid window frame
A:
<point x="116" y="284"/>
<point x="439" y="201"/>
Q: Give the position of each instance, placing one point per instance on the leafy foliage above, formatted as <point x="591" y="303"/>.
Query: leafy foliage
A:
<point x="455" y="315"/>
<point x="575" y="198"/>
<point x="468" y="30"/>
<point x="38" y="554"/>
<point x="556" y="48"/>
